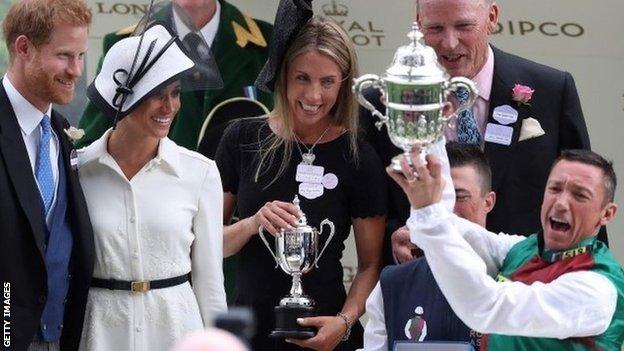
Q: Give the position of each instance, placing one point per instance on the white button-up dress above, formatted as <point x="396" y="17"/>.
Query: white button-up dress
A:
<point x="164" y="222"/>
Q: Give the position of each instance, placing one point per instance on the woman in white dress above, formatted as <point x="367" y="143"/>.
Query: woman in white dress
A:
<point x="156" y="207"/>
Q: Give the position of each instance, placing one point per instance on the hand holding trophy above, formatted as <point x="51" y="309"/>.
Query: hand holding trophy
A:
<point x="296" y="252"/>
<point x="415" y="90"/>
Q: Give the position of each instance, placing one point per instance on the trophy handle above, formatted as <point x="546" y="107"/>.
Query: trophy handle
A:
<point x="332" y="230"/>
<point x="365" y="81"/>
<point x="266" y="243"/>
<point x="462" y="82"/>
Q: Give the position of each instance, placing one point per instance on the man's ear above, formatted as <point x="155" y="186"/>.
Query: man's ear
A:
<point x="492" y="17"/>
<point x="22" y="45"/>
<point x="608" y="213"/>
<point x="490" y="201"/>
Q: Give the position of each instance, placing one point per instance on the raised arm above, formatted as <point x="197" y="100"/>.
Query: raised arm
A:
<point x="574" y="305"/>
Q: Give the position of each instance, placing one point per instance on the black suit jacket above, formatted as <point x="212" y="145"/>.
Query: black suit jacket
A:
<point x="520" y="170"/>
<point x="22" y="237"/>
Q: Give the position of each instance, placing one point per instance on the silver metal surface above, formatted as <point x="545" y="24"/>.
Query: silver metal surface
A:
<point x="416" y="90"/>
<point x="296" y="253"/>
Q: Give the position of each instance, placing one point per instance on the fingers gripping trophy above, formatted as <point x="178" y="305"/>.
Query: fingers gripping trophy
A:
<point x="415" y="91"/>
<point x="296" y="252"/>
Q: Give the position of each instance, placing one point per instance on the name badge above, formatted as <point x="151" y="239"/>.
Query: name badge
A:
<point x="498" y="134"/>
<point x="505" y="114"/>
<point x="330" y="181"/>
<point x="309" y="174"/>
<point x="310" y="190"/>
<point x="73" y="159"/>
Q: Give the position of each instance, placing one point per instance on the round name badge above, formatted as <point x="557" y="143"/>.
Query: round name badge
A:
<point x="330" y="181"/>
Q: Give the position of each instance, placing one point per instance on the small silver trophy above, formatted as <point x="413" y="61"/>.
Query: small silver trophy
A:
<point x="296" y="251"/>
<point x="415" y="90"/>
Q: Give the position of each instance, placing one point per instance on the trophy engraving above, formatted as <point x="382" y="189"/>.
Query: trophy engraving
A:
<point x="296" y="252"/>
<point x="415" y="90"/>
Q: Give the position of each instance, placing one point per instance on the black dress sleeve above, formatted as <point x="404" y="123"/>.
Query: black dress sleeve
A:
<point x="366" y="188"/>
<point x="228" y="157"/>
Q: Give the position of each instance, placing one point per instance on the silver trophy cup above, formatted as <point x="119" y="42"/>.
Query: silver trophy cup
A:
<point x="416" y="89"/>
<point x="296" y="252"/>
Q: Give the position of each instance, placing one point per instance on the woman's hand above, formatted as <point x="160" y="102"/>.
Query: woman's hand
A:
<point x="329" y="335"/>
<point x="277" y="215"/>
<point x="273" y="216"/>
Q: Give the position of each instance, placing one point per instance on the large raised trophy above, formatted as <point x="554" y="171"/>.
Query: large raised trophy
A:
<point x="416" y="89"/>
<point x="296" y="252"/>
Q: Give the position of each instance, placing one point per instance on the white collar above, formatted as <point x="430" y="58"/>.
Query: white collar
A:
<point x="28" y="116"/>
<point x="167" y="154"/>
<point x="209" y="31"/>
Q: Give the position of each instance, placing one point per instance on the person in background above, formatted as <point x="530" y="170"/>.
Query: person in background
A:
<point x="523" y="109"/>
<point x="45" y="232"/>
<point x="210" y="339"/>
<point x="407" y="303"/>
<point x="262" y="161"/>
<point x="156" y="206"/>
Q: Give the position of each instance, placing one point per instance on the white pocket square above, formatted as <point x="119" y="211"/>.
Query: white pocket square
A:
<point x="530" y="129"/>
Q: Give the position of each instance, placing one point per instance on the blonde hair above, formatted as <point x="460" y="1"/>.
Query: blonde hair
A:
<point x="326" y="37"/>
<point x="36" y="19"/>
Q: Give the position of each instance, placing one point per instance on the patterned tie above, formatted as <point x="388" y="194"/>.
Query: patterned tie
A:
<point x="467" y="131"/>
<point x="43" y="167"/>
<point x="199" y="52"/>
<point x="197" y="48"/>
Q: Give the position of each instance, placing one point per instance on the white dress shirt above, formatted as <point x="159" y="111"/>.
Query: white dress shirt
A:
<point x="29" y="119"/>
<point x="164" y="222"/>
<point x="208" y="31"/>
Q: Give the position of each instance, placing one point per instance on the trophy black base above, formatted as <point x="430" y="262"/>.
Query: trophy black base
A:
<point x="286" y="326"/>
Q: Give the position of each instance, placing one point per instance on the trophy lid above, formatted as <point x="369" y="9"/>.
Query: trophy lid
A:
<point x="415" y="61"/>
<point x="302" y="222"/>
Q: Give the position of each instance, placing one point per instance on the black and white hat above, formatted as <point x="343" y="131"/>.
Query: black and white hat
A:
<point x="128" y="77"/>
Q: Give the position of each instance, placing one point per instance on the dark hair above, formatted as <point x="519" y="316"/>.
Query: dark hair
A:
<point x="591" y="158"/>
<point x="460" y="155"/>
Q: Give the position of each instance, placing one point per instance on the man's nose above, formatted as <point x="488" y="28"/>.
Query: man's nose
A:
<point x="562" y="202"/>
<point x="75" y="67"/>
<point x="450" y="40"/>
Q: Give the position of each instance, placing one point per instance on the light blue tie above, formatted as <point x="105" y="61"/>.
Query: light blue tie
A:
<point x="467" y="131"/>
<point x="43" y="167"/>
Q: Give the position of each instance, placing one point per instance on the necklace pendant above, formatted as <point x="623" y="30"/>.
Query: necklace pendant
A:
<point x="308" y="158"/>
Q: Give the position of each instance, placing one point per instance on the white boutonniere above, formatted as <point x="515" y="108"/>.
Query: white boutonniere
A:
<point x="74" y="134"/>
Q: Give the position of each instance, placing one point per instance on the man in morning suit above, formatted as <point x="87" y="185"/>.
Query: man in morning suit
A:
<point x="45" y="232"/>
<point x="521" y="133"/>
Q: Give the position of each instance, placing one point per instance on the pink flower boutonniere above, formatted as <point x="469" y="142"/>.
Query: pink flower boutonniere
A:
<point x="522" y="94"/>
